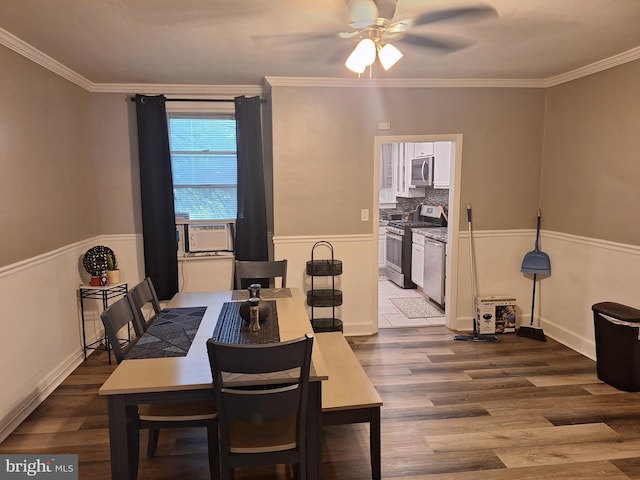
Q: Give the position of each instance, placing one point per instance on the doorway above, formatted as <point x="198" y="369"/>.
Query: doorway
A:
<point x="398" y="306"/>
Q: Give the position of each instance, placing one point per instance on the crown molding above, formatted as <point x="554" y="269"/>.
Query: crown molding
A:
<point x="28" y="51"/>
<point x="595" y="67"/>
<point x="23" y="48"/>
<point x="183" y="90"/>
<point x="405" y="82"/>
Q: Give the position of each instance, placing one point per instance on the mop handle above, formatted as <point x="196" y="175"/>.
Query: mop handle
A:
<point x="472" y="272"/>
<point x="471" y="260"/>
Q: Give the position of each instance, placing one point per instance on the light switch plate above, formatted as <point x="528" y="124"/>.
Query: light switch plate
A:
<point x="364" y="215"/>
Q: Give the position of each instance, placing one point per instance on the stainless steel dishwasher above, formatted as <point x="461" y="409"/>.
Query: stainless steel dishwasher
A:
<point x="434" y="270"/>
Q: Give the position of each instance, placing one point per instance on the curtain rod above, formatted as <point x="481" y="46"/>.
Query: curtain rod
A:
<point x="133" y="99"/>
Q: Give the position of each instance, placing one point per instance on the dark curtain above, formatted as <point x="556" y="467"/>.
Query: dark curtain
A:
<point x="251" y="224"/>
<point x="156" y="188"/>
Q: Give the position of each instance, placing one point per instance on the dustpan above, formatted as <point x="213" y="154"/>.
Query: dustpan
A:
<point x="536" y="261"/>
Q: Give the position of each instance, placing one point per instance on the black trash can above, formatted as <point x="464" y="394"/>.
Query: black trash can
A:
<point x="617" y="332"/>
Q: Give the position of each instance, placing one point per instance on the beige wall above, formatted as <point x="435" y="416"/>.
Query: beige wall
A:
<point x="48" y="183"/>
<point x="323" y="151"/>
<point x="115" y="160"/>
<point x="591" y="166"/>
<point x="70" y="178"/>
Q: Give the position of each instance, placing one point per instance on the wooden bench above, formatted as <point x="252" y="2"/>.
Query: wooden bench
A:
<point x="348" y="396"/>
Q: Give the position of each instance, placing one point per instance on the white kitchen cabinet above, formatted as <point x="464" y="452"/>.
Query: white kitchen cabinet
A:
<point x="399" y="176"/>
<point x="417" y="259"/>
<point x="386" y="193"/>
<point x="407" y="152"/>
<point x="442" y="165"/>
<point x="402" y="155"/>
<point x="423" y="149"/>
<point x="382" y="247"/>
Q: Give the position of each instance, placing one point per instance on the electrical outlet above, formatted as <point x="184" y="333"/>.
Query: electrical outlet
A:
<point x="384" y="126"/>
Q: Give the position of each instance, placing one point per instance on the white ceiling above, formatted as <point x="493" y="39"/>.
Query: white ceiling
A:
<point x="212" y="42"/>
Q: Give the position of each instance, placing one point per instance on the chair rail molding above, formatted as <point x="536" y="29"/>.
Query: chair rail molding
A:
<point x="40" y="294"/>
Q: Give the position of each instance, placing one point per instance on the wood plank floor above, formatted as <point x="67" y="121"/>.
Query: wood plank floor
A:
<point x="519" y="409"/>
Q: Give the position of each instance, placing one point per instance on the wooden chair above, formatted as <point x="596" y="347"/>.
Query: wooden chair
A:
<point x="261" y="424"/>
<point x="257" y="271"/>
<point x="144" y="294"/>
<point x="160" y="415"/>
<point x="119" y="315"/>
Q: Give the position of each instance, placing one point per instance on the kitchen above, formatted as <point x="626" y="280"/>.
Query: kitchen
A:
<point x="413" y="200"/>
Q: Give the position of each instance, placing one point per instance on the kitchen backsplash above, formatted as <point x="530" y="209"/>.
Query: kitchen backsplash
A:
<point x="432" y="197"/>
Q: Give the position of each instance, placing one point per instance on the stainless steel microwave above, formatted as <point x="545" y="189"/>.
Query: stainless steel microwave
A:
<point x="422" y="172"/>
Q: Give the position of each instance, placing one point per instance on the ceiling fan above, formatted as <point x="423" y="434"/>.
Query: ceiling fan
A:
<point x="373" y="22"/>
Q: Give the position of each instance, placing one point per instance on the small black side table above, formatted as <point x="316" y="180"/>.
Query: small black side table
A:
<point x="105" y="294"/>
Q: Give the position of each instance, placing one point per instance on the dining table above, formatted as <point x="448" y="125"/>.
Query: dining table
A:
<point x="157" y="377"/>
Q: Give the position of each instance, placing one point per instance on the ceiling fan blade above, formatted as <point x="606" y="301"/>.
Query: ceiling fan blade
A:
<point x="472" y="13"/>
<point x="387" y="8"/>
<point x="398" y="27"/>
<point x="442" y="43"/>
<point x="319" y="53"/>
<point x="362" y="13"/>
<point x="277" y="40"/>
<point x="339" y="54"/>
<point x="355" y="33"/>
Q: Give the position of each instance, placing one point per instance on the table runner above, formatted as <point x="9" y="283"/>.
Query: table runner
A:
<point x="170" y="334"/>
<point x="231" y="328"/>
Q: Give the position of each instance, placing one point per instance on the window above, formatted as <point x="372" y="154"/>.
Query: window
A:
<point x="204" y="165"/>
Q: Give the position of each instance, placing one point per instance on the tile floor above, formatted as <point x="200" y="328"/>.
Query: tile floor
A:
<point x="389" y="316"/>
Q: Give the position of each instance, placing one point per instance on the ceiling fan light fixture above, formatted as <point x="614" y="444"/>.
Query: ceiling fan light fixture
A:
<point x="362" y="56"/>
<point x="389" y="56"/>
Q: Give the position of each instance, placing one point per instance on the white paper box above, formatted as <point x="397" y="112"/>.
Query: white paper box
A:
<point x="496" y="314"/>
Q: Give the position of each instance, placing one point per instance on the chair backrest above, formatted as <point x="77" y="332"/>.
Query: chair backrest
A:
<point x="248" y="272"/>
<point x="141" y="295"/>
<point x="118" y="315"/>
<point x="260" y="402"/>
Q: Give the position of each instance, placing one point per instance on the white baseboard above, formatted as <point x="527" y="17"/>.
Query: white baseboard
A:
<point x="41" y="391"/>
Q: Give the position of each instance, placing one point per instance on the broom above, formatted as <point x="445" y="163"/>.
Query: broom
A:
<point x="536" y="262"/>
<point x="474" y="337"/>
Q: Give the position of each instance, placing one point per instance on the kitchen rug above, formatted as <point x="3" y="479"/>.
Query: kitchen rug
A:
<point x="416" y="307"/>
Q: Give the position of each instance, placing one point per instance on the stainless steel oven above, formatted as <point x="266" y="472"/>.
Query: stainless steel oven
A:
<point x="398" y="237"/>
<point x="398" y="261"/>
<point x="394" y="250"/>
